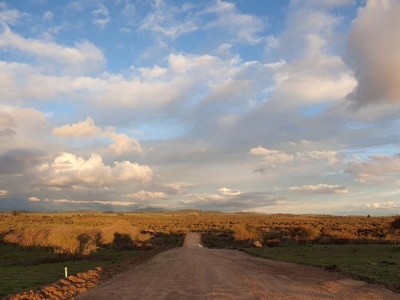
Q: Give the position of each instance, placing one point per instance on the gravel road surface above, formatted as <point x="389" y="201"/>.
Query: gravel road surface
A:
<point x="194" y="272"/>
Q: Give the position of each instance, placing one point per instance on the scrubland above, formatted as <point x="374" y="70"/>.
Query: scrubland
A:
<point x="41" y="243"/>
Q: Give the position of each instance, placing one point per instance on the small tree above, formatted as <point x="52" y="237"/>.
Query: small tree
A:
<point x="15" y="213"/>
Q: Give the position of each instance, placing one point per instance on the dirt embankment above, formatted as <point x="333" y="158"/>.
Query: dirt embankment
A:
<point x="73" y="285"/>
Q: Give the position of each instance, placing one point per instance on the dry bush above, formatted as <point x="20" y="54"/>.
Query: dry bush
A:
<point x="304" y="234"/>
<point x="73" y="240"/>
<point x="28" y="237"/>
<point x="395" y="224"/>
<point x="121" y="227"/>
<point x="257" y="244"/>
<point x="247" y="233"/>
<point x="273" y="242"/>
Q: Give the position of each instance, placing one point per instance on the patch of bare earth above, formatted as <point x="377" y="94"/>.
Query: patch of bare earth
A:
<point x="194" y="272"/>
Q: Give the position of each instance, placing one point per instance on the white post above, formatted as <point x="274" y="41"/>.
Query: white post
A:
<point x="66" y="272"/>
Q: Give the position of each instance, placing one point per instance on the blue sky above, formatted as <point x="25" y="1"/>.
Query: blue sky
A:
<point x="272" y="106"/>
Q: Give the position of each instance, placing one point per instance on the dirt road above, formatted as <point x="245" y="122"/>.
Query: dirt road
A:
<point x="194" y="272"/>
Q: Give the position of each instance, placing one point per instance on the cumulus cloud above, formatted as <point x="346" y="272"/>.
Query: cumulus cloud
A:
<point x="69" y="170"/>
<point x="375" y="167"/>
<point x="86" y="129"/>
<point x="4" y="193"/>
<point x="320" y="189"/>
<point x="19" y="161"/>
<point x="33" y="199"/>
<point x="124" y="144"/>
<point x="316" y="77"/>
<point x="146" y="195"/>
<point x="313" y="74"/>
<point x="272" y="156"/>
<point x="374" y="52"/>
<point x="22" y="128"/>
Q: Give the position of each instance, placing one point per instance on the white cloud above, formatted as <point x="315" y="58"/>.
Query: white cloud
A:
<point x="379" y="205"/>
<point x="146" y="88"/>
<point x="74" y="5"/>
<point x="33" y="199"/>
<point x="320" y="189"/>
<point x="315" y="77"/>
<point x="85" y="128"/>
<point x="272" y="156"/>
<point x="229" y="192"/>
<point x="101" y="202"/>
<point x="48" y="16"/>
<point x="326" y="3"/>
<point x="129" y="10"/>
<point x="10" y="16"/>
<point x="101" y="16"/>
<point x="313" y="73"/>
<point x="332" y="156"/>
<point x="374" y="52"/>
<point x="26" y="127"/>
<point x="84" y="55"/>
<point x="243" y="27"/>
<point x="375" y="167"/>
<point x="4" y="193"/>
<point x="124" y="144"/>
<point x="163" y="20"/>
<point x="146" y="195"/>
<point x="69" y="170"/>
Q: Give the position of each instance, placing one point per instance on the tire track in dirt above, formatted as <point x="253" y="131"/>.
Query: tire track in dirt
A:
<point x="194" y="272"/>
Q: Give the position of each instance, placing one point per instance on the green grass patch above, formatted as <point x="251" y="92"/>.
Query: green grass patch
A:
<point x="217" y="240"/>
<point x="377" y="263"/>
<point x="24" y="268"/>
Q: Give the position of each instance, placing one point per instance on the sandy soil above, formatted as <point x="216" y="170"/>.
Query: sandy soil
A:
<point x="194" y="272"/>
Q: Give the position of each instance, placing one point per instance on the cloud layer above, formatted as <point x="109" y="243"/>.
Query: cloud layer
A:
<point x="287" y="107"/>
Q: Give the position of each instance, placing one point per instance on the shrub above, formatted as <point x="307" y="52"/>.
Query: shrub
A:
<point x="257" y="244"/>
<point x="303" y="234"/>
<point x="273" y="242"/>
<point x="395" y="224"/>
<point x="73" y="240"/>
<point x="247" y="233"/>
<point x="121" y="227"/>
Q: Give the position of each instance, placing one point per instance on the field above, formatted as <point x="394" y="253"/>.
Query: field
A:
<point x="35" y="248"/>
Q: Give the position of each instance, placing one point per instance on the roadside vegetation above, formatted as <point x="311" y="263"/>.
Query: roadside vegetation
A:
<point x="364" y="247"/>
<point x="35" y="248"/>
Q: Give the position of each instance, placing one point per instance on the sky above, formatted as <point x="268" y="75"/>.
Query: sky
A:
<point x="260" y="106"/>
